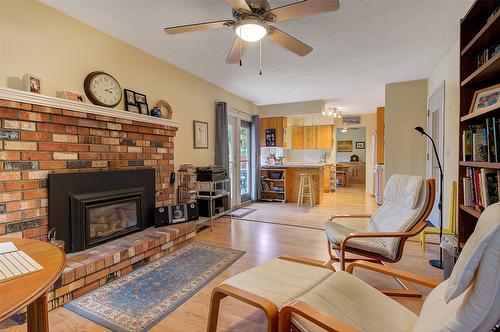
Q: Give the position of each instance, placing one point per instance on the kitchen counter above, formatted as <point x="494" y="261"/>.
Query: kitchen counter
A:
<point x="318" y="171"/>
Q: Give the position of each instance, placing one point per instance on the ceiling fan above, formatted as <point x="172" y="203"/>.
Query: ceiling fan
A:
<point x="251" y="24"/>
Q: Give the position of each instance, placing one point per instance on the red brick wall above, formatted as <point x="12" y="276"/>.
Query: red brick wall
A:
<point x="37" y="140"/>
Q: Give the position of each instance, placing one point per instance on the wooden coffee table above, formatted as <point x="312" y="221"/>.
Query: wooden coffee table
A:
<point x="31" y="290"/>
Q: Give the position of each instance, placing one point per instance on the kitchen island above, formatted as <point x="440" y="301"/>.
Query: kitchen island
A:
<point x="290" y="179"/>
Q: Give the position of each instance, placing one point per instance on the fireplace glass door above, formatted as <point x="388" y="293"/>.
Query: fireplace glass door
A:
<point x="107" y="220"/>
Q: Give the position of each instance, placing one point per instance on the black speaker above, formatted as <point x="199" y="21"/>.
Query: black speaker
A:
<point x="177" y="213"/>
<point x="192" y="211"/>
<point x="162" y="217"/>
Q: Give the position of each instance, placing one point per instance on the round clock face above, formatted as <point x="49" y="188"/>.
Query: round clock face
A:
<point x="103" y="89"/>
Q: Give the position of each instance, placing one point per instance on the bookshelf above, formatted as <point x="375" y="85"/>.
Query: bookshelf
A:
<point x="273" y="184"/>
<point x="479" y="30"/>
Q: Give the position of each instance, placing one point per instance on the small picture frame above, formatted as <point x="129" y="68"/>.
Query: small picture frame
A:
<point x="143" y="108"/>
<point x="31" y="83"/>
<point x="360" y="145"/>
<point x="200" y="134"/>
<point x="486" y="100"/>
<point x="133" y="109"/>
<point x="74" y="96"/>
<point x="140" y="98"/>
<point x="129" y="97"/>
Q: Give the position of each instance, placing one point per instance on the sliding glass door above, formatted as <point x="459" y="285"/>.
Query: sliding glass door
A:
<point x="239" y="159"/>
<point x="245" y="161"/>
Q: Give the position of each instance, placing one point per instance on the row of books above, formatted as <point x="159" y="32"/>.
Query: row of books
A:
<point x="268" y="186"/>
<point x="487" y="54"/>
<point x="481" y="142"/>
<point x="481" y="187"/>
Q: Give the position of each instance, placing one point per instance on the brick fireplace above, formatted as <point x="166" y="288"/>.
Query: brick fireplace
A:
<point x="36" y="140"/>
<point x="42" y="138"/>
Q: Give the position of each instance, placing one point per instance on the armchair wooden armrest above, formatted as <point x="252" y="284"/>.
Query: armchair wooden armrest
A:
<point x="357" y="215"/>
<point x="308" y="261"/>
<point x="421" y="280"/>
<point x="318" y="317"/>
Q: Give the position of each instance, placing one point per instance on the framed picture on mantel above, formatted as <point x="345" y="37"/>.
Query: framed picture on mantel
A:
<point x="200" y="134"/>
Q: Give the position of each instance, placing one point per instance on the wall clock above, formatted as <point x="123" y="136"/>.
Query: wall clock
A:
<point x="102" y="89"/>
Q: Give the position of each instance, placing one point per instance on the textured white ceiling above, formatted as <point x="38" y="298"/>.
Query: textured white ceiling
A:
<point x="357" y="49"/>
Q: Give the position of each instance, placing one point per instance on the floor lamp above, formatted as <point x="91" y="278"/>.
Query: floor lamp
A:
<point x="437" y="262"/>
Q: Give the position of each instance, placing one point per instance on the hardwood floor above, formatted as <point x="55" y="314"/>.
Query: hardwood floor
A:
<point x="263" y="241"/>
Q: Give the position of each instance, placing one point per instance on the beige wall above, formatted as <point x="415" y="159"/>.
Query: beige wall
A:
<point x="306" y="107"/>
<point x="448" y="71"/>
<point x="62" y="51"/>
<point x="405" y="109"/>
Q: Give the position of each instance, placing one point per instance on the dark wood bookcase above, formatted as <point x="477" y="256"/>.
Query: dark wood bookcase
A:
<point x="476" y="34"/>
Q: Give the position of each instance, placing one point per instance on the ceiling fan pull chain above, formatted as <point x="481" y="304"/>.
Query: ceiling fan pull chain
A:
<point x="241" y="41"/>
<point x="260" y="57"/>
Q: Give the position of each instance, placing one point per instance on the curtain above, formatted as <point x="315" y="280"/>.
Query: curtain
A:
<point x="222" y="144"/>
<point x="255" y="158"/>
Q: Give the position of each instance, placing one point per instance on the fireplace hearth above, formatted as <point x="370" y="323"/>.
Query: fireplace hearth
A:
<point x="88" y="209"/>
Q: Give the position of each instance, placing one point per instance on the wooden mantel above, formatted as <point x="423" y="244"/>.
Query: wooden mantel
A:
<point x="33" y="98"/>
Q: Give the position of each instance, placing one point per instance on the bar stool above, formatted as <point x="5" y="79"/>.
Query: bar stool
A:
<point x="306" y="182"/>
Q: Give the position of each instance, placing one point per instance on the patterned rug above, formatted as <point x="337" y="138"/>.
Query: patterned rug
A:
<point x="145" y="296"/>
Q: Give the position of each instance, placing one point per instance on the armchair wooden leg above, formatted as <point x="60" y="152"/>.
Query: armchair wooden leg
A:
<point x="213" y="313"/>
<point x="256" y="301"/>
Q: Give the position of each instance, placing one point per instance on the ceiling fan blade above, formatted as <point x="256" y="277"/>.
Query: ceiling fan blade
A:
<point x="300" y="9"/>
<point x="239" y="5"/>
<point x="281" y="38"/>
<point x="198" y="27"/>
<point x="237" y="51"/>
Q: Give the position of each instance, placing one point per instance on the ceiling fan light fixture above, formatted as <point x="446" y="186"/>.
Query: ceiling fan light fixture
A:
<point x="251" y="29"/>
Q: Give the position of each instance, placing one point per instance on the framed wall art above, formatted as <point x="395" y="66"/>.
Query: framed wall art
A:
<point x="200" y="134"/>
<point x="344" y="146"/>
<point x="485" y="100"/>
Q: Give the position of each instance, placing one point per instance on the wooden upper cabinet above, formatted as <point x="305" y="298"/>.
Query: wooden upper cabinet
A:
<point x="276" y="123"/>
<point x="380" y="134"/>
<point x="297" y="137"/>
<point x="309" y="137"/>
<point x="324" y="137"/>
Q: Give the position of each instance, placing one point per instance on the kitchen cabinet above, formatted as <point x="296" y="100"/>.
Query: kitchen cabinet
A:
<point x="357" y="172"/>
<point x="297" y="137"/>
<point x="278" y="124"/>
<point x="327" y="170"/>
<point x="324" y="137"/>
<point x="309" y="137"/>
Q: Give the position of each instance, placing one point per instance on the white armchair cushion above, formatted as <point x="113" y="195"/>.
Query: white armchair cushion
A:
<point x="278" y="280"/>
<point x="351" y="300"/>
<point x="395" y="215"/>
<point x="465" y="268"/>
<point x="477" y="307"/>
<point x="404" y="190"/>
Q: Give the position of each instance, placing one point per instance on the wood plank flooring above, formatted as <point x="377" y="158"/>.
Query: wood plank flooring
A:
<point x="263" y="241"/>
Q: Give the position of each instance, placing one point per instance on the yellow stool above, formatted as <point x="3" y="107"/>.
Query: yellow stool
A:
<point x="451" y="225"/>
<point x="306" y="182"/>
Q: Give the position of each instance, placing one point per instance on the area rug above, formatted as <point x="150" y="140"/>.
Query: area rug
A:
<point x="145" y="296"/>
<point x="242" y="212"/>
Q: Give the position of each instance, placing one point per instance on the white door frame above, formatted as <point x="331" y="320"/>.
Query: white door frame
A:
<point x="434" y="216"/>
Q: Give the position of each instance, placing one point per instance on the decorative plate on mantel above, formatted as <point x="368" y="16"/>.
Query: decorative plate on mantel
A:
<point x="166" y="110"/>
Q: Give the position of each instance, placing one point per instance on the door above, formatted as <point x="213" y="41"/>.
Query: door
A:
<point x="309" y="137"/>
<point x="435" y="129"/>
<point x="297" y="137"/>
<point x="245" y="161"/>
<point x="239" y="159"/>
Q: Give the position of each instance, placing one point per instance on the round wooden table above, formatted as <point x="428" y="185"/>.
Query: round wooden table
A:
<point x="31" y="290"/>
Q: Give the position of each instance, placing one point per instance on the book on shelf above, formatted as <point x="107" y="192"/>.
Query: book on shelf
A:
<point x="480" y="187"/>
<point x="481" y="142"/>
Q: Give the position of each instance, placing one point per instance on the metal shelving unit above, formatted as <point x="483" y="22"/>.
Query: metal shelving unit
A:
<point x="217" y="190"/>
